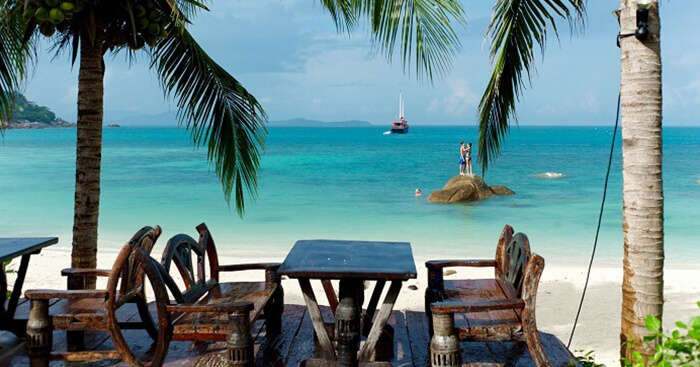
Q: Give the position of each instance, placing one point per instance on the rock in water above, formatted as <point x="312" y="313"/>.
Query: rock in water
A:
<point x="466" y="188"/>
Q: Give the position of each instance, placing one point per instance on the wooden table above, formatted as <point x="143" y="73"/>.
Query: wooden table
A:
<point x="11" y="248"/>
<point x="352" y="262"/>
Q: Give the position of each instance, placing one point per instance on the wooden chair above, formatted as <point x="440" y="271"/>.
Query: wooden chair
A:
<point x="207" y="309"/>
<point x="498" y="309"/>
<point x="86" y="310"/>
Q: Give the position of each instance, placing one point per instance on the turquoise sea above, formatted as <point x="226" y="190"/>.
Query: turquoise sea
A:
<point x="350" y="183"/>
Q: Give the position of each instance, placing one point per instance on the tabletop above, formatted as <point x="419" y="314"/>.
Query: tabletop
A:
<point x="13" y="247"/>
<point x="337" y="259"/>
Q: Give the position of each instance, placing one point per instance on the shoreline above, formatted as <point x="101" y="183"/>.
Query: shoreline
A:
<point x="559" y="291"/>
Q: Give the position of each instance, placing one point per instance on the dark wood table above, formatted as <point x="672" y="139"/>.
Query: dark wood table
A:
<point x="11" y="248"/>
<point x="352" y="262"/>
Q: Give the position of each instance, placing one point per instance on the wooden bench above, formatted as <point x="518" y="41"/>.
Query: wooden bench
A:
<point x="82" y="310"/>
<point x="208" y="309"/>
<point x="498" y="309"/>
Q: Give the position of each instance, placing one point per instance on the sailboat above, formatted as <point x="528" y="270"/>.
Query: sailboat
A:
<point x="400" y="126"/>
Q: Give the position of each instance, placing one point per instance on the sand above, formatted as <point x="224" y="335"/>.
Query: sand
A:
<point x="559" y="292"/>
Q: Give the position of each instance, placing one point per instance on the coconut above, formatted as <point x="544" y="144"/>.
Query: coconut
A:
<point x="154" y="29"/>
<point x="67" y="6"/>
<point x="154" y="16"/>
<point x="139" y="11"/>
<point x="47" y="29"/>
<point x="29" y="13"/>
<point x="56" y="16"/>
<point x="41" y="14"/>
<point x="143" y="23"/>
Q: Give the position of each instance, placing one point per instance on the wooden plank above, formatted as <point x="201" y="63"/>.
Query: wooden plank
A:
<point x="317" y="319"/>
<point x="419" y="337"/>
<point x="276" y="349"/>
<point x="402" y="353"/>
<point x="302" y="346"/>
<point x="382" y="317"/>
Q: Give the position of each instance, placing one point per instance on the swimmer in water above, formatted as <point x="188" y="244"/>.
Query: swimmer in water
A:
<point x="418" y="192"/>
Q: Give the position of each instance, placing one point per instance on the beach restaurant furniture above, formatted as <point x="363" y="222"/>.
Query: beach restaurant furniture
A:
<point x="499" y="309"/>
<point x="11" y="248"/>
<point x="92" y="309"/>
<point x="207" y="309"/>
<point x="353" y="263"/>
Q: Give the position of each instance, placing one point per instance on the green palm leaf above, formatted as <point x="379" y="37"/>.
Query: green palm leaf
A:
<point x="422" y="27"/>
<point x="15" y="54"/>
<point x="216" y="109"/>
<point x="517" y="26"/>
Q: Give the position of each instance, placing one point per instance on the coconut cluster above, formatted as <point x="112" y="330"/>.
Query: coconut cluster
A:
<point x="142" y="21"/>
<point x="51" y="14"/>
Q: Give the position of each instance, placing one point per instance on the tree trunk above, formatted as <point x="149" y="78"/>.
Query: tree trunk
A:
<point x="642" y="190"/>
<point x="88" y="158"/>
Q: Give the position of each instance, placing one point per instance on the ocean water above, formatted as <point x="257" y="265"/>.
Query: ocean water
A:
<point x="351" y="183"/>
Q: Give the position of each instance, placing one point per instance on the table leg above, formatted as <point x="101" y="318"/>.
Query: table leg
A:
<point x="4" y="319"/>
<point x="372" y="306"/>
<point x="17" y="288"/>
<point x="317" y="319"/>
<point x="380" y="322"/>
<point x="347" y="321"/>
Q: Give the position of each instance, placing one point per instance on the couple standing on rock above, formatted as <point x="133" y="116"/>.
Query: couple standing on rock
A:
<point x="465" y="159"/>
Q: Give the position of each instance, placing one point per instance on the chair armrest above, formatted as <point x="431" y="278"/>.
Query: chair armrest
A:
<point x="439" y="264"/>
<point x="86" y="272"/>
<point x="216" y="308"/>
<point x="71" y="294"/>
<point x="476" y="306"/>
<point x="255" y="266"/>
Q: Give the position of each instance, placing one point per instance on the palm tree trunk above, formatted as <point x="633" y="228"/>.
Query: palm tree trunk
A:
<point x="88" y="158"/>
<point x="643" y="220"/>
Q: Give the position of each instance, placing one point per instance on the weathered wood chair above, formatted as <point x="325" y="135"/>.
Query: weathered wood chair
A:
<point x="498" y="309"/>
<point x="86" y="310"/>
<point x="207" y="309"/>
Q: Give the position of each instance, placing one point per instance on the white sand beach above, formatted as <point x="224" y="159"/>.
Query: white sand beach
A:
<point x="557" y="301"/>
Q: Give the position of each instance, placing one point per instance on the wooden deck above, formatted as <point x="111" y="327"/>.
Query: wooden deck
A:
<point x="296" y="343"/>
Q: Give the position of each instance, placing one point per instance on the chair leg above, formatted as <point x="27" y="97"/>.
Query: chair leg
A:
<point x="532" y="338"/>
<point x="273" y="312"/>
<point x="239" y="343"/>
<point x="39" y="333"/>
<point x="444" y="345"/>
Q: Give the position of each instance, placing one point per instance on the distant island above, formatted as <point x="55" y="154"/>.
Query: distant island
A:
<point x="301" y="122"/>
<point x="29" y="115"/>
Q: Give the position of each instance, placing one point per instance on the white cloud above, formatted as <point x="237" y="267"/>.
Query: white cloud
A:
<point x="460" y="101"/>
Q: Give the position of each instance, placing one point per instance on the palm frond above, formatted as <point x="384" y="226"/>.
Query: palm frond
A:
<point x="516" y="27"/>
<point x="15" y="55"/>
<point x="216" y="109"/>
<point x="422" y="27"/>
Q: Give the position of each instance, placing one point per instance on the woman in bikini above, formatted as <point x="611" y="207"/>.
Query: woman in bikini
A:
<point x="468" y="159"/>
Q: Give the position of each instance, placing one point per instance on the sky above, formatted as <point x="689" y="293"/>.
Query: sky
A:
<point x="289" y="55"/>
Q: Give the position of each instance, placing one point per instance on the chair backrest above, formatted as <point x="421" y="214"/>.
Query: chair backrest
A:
<point x="503" y="241"/>
<point x="126" y="270"/>
<point x="183" y="251"/>
<point x="515" y="258"/>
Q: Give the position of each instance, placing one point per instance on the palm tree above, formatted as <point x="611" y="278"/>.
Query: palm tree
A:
<point x="217" y="110"/>
<point x="642" y="190"/>
<point x="517" y="26"/>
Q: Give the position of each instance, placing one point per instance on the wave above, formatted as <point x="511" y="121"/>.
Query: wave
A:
<point x="550" y="175"/>
<point x="386" y="132"/>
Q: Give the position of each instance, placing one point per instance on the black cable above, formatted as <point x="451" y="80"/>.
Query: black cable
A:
<point x="600" y="218"/>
